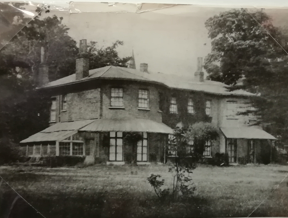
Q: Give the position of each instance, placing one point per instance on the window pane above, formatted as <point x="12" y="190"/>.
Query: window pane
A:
<point x="139" y="149"/>
<point x="112" y="142"/>
<point x="119" y="149"/>
<point x="119" y="157"/>
<point x="119" y="134"/>
<point x="112" y="156"/>
<point x="139" y="157"/>
<point x="144" y="142"/>
<point x="144" y="150"/>
<point x="112" y="134"/>
<point x="64" y="148"/>
<point x="145" y="135"/>
<point x="119" y="142"/>
<point x="144" y="157"/>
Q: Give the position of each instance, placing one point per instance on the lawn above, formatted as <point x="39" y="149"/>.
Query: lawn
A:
<point x="123" y="191"/>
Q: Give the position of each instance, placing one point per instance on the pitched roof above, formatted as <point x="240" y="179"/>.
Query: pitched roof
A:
<point x="57" y="132"/>
<point x="246" y="133"/>
<point x="172" y="81"/>
<point x="127" y="125"/>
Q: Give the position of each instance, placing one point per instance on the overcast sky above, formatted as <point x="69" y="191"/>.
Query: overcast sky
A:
<point x="169" y="40"/>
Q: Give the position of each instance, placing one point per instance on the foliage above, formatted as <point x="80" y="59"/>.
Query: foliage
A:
<point x="9" y="152"/>
<point x="20" y="106"/>
<point x="220" y="159"/>
<point x="249" y="52"/>
<point x="185" y="160"/>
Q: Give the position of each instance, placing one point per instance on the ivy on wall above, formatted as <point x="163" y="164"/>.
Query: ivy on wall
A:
<point x="199" y="104"/>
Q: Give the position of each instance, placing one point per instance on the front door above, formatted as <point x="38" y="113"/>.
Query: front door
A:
<point x="232" y="150"/>
<point x="251" y="151"/>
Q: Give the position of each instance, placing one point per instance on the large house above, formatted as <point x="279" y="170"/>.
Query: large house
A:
<point x="92" y="110"/>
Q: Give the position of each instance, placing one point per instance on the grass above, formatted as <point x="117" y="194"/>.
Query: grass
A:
<point x="123" y="191"/>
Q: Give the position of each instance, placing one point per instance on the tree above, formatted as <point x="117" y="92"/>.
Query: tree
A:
<point x="20" y="106"/>
<point x="185" y="159"/>
<point x="249" y="52"/>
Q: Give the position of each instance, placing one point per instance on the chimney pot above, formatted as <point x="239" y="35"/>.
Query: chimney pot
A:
<point x="199" y="74"/>
<point x="82" y="63"/>
<point x="144" y="67"/>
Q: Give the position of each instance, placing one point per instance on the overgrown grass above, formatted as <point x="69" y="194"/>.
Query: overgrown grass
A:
<point x="123" y="191"/>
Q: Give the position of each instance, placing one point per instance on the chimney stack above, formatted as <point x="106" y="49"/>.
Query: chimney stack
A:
<point x="199" y="74"/>
<point x="82" y="62"/>
<point x="144" y="67"/>
<point x="43" y="75"/>
<point x="131" y="62"/>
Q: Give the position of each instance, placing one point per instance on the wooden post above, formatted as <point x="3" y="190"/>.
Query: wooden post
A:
<point x="57" y="148"/>
<point x="71" y="148"/>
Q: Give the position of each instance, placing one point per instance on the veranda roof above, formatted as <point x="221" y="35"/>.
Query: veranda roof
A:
<point x="57" y="132"/>
<point x="49" y="136"/>
<point x="245" y="133"/>
<point x="127" y="125"/>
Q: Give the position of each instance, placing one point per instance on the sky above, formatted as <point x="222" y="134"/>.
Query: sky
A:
<point x="168" y="39"/>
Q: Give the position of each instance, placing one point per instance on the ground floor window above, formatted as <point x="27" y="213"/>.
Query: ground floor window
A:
<point x="232" y="150"/>
<point x="142" y="148"/>
<point x="116" y="146"/>
<point x="64" y="148"/>
<point x="207" y="149"/>
<point x="190" y="148"/>
<point x="77" y="148"/>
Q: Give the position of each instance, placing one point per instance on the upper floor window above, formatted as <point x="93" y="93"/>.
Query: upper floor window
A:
<point x="190" y="107"/>
<point x="207" y="151"/>
<point x="173" y="106"/>
<point x="143" y="98"/>
<point x="231" y="109"/>
<point x="64" y="103"/>
<point x="208" y="108"/>
<point x="53" y="110"/>
<point x="117" y="97"/>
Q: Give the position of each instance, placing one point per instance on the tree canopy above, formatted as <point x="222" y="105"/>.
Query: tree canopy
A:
<point x="21" y="108"/>
<point x="250" y="53"/>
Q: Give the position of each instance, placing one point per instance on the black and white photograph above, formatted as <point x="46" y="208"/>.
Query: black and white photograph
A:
<point x="125" y="110"/>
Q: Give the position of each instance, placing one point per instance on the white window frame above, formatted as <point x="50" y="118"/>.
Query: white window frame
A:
<point x="117" y="95"/>
<point x="190" y="106"/>
<point x="64" y="103"/>
<point x="142" y="145"/>
<point x="117" y="139"/>
<point x="231" y="109"/>
<point x="173" y="106"/>
<point x="53" y="109"/>
<point x="208" y="106"/>
<point x="143" y="98"/>
<point x="207" y="149"/>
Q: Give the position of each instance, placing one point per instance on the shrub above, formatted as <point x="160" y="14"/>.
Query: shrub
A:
<point x="9" y="151"/>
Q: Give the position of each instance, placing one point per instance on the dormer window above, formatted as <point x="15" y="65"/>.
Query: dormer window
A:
<point x="143" y="99"/>
<point x="190" y="106"/>
<point x="117" y="97"/>
<point x="208" y="108"/>
<point x="64" y="103"/>
<point x="173" y="106"/>
<point x="53" y="110"/>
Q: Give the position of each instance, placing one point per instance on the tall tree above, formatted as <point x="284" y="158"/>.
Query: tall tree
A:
<point x="247" y="46"/>
<point x="21" y="108"/>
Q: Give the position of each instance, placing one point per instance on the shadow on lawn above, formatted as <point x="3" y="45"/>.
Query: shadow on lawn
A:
<point x="75" y="203"/>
